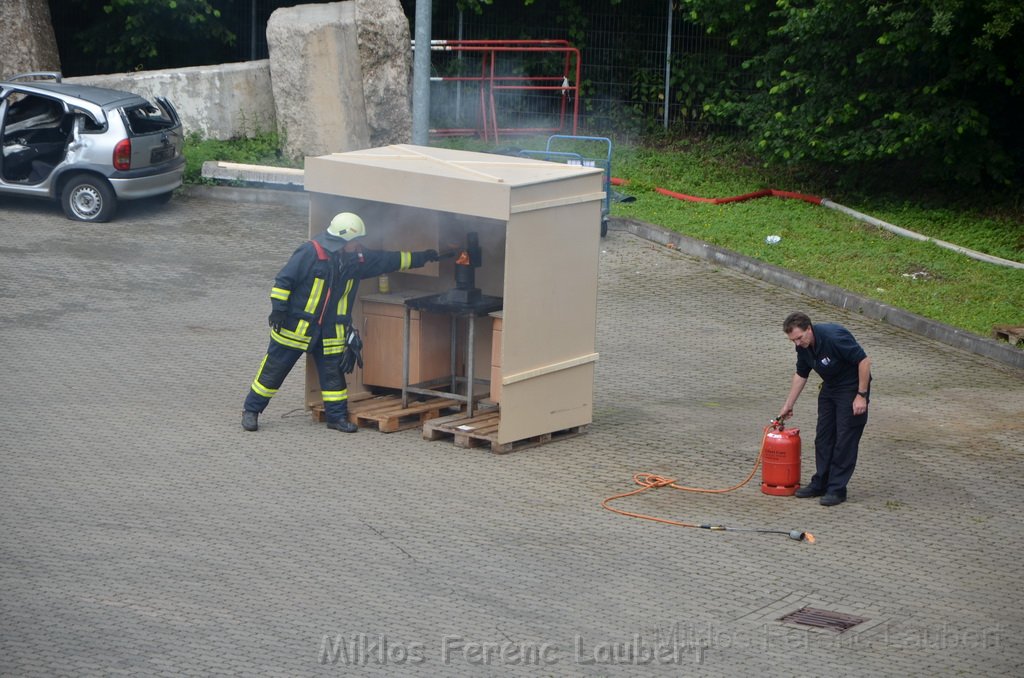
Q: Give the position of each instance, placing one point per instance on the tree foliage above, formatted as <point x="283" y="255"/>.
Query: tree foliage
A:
<point x="934" y="85"/>
<point x="128" y="35"/>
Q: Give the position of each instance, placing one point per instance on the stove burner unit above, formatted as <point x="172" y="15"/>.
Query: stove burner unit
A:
<point x="465" y="290"/>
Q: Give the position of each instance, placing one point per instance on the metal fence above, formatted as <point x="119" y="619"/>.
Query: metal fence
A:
<point x="634" y="78"/>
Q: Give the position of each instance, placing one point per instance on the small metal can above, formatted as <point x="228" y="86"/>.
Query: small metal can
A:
<point x="383" y="284"/>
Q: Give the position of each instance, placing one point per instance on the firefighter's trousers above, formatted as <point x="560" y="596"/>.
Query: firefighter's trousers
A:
<point x="278" y="363"/>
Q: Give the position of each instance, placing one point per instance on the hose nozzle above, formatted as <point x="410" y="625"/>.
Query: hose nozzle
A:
<point x="802" y="536"/>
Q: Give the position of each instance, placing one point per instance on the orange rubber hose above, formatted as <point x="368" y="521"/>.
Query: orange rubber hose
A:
<point x="813" y="199"/>
<point x="648" y="481"/>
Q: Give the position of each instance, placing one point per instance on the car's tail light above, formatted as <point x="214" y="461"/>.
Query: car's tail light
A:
<point x="123" y="155"/>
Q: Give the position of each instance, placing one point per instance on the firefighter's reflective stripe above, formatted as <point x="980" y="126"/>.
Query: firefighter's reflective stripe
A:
<point x="260" y="388"/>
<point x="280" y="338"/>
<point x="280" y="294"/>
<point x="334" y="345"/>
<point x="334" y="396"/>
<point x="313" y="302"/>
<point x="298" y="338"/>
<point x="343" y="301"/>
<point x="406" y="261"/>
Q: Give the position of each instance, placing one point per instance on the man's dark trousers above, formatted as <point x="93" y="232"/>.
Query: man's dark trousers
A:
<point x="836" y="440"/>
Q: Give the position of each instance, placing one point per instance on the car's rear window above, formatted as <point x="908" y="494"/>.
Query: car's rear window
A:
<point x="147" y="119"/>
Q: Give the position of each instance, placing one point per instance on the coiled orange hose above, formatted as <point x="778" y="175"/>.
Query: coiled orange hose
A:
<point x="649" y="481"/>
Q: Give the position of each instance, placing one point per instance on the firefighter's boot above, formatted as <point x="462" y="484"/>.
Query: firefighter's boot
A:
<point x="250" y="420"/>
<point x="339" y="419"/>
<point x="343" y="425"/>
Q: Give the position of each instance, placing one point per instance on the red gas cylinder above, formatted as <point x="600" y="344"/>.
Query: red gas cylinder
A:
<point x="780" y="462"/>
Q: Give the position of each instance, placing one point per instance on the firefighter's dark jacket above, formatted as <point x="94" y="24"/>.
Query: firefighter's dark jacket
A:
<point x="317" y="288"/>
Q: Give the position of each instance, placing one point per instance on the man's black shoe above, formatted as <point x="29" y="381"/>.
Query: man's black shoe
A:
<point x="831" y="500"/>
<point x="805" y="492"/>
<point x="344" y="425"/>
<point x="250" y="420"/>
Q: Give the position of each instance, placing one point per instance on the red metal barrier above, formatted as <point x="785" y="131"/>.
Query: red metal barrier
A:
<point x="491" y="80"/>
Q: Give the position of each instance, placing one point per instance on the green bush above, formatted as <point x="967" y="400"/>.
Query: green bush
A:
<point x="263" y="149"/>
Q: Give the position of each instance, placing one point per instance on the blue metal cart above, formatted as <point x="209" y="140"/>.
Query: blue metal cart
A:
<point x="578" y="156"/>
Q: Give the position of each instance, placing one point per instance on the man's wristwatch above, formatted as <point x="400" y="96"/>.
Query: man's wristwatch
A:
<point x="863" y="394"/>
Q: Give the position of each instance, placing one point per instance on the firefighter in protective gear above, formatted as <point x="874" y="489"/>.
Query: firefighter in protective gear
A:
<point x="311" y="303"/>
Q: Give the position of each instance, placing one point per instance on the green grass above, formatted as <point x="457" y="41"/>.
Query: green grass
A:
<point x="816" y="241"/>
<point x="830" y="246"/>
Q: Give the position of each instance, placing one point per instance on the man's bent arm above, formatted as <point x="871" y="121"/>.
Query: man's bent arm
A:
<point x="794" y="393"/>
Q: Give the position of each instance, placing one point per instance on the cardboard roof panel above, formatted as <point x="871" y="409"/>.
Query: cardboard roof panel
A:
<point x="464" y="182"/>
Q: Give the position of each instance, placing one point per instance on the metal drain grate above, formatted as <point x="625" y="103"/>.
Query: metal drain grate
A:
<point x="822" y="619"/>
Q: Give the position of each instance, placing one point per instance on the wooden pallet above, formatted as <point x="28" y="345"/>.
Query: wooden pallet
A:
<point x="482" y="429"/>
<point x="1009" y="333"/>
<point x="388" y="415"/>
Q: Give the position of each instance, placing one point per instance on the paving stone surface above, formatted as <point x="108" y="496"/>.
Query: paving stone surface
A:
<point x="142" y="532"/>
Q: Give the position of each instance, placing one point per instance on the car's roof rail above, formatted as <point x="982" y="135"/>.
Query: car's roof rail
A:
<point x="37" y="75"/>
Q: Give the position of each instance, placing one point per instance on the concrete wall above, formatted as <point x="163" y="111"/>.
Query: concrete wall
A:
<point x="224" y="101"/>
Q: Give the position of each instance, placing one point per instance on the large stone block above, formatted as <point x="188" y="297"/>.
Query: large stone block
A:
<point x="386" y="59"/>
<point x="317" y="79"/>
<point x="27" y="42"/>
<point x="340" y="75"/>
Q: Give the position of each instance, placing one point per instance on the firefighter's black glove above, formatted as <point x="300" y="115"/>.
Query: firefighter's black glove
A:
<point x="353" y="354"/>
<point x="420" y="258"/>
<point x="277" y="317"/>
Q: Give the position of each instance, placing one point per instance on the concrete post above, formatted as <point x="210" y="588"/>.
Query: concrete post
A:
<point x="421" y="76"/>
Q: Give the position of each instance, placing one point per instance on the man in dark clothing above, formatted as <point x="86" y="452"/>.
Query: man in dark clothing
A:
<point x="311" y="313"/>
<point x="845" y="371"/>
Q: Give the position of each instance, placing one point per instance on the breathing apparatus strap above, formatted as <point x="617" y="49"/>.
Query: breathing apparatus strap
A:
<point x="322" y="255"/>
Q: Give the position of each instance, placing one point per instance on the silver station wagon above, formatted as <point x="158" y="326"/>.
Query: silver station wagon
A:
<point x="87" y="147"/>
